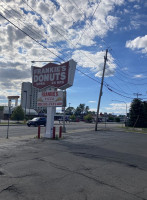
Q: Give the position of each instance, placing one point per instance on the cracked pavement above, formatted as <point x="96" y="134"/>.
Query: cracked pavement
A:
<point x="84" y="165"/>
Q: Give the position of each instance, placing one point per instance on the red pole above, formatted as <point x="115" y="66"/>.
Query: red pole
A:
<point x="38" y="132"/>
<point x="60" y="131"/>
<point x="54" y="130"/>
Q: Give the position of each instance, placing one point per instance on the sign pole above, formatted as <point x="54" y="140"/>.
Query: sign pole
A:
<point x="49" y="122"/>
<point x="56" y="76"/>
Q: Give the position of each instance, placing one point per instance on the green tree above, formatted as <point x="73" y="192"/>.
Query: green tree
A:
<point x="70" y="110"/>
<point x="88" y="118"/>
<point x="117" y="119"/>
<point x="111" y="118"/>
<point x="82" y="110"/>
<point x="78" y="111"/>
<point x="1" y="108"/>
<point x="145" y="113"/>
<point x="86" y="111"/>
<point x="73" y="118"/>
<point x="136" y="113"/>
<point x="18" y="114"/>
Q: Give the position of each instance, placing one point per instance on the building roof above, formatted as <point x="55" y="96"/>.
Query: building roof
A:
<point x="28" y="111"/>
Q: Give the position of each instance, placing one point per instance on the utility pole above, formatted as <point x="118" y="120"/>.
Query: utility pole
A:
<point x="98" y="107"/>
<point x="137" y="94"/>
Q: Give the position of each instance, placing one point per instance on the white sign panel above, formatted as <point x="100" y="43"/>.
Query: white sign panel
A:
<point x="50" y="98"/>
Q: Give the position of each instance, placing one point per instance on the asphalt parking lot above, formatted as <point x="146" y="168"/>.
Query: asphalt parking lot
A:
<point x="84" y="164"/>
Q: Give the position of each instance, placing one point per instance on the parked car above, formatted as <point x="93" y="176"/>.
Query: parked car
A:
<point x="37" y="121"/>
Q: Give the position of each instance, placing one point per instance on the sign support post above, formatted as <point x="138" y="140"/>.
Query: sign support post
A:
<point x="56" y="76"/>
<point x="50" y="122"/>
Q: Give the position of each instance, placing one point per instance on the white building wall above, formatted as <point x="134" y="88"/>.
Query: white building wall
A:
<point x="34" y="97"/>
<point x="26" y="92"/>
<point x="30" y="96"/>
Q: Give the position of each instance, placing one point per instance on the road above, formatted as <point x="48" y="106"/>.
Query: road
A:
<point x="83" y="165"/>
<point x="70" y="127"/>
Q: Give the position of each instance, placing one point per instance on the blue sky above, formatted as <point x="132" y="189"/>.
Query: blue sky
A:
<point x="81" y="30"/>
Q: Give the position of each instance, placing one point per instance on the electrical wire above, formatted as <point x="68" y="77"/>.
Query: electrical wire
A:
<point x="95" y="29"/>
<point x="83" y="32"/>
<point x="119" y="87"/>
<point x="59" y="32"/>
<point x="31" y="37"/>
<point x="52" y="52"/>
<point x="106" y="85"/>
<point x="30" y="29"/>
<point x="121" y="65"/>
<point x="90" y="24"/>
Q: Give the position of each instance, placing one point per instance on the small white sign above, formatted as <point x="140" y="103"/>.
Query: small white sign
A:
<point x="50" y="98"/>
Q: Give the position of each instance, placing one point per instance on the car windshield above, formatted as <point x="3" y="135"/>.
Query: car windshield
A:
<point x="35" y="119"/>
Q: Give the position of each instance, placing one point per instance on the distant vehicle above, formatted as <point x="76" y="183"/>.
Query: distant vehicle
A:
<point x="67" y="119"/>
<point x="37" y="121"/>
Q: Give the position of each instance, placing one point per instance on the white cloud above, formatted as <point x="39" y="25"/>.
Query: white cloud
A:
<point x="92" y="101"/>
<point x="95" y="62"/>
<point x="134" y="1"/>
<point x="93" y="109"/>
<point x="138" y="43"/>
<point x="118" y="108"/>
<point x="137" y="7"/>
<point x="138" y="76"/>
<point x="52" y="23"/>
<point x="2" y="97"/>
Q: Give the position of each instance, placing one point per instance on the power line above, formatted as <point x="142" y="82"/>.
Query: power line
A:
<point x="119" y="87"/>
<point x="79" y="9"/>
<point x="120" y="64"/>
<point x="58" y="32"/>
<point x="125" y="80"/>
<point x="30" y="28"/>
<point x="106" y="85"/>
<point x="130" y="82"/>
<point x="94" y="28"/>
<point x="31" y="37"/>
<point x="125" y="74"/>
<point x="61" y="34"/>
<point x="87" y="76"/>
<point x="40" y="43"/>
<point x="98" y="36"/>
<point x="83" y="32"/>
<point x="119" y="93"/>
<point x="137" y="94"/>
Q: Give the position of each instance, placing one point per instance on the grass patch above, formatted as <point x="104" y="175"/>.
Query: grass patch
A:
<point x="136" y="130"/>
<point x="12" y="123"/>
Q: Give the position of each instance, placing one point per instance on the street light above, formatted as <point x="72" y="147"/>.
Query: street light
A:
<point x="25" y="102"/>
<point x="126" y="109"/>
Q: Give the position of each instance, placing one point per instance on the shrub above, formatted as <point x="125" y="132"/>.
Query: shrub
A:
<point x="18" y="113"/>
<point x="117" y="119"/>
<point x="88" y="118"/>
<point x="73" y="118"/>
